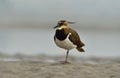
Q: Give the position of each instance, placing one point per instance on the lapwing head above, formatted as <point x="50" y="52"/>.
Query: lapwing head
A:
<point x="63" y="24"/>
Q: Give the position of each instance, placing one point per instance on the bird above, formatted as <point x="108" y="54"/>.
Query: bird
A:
<point x="67" y="38"/>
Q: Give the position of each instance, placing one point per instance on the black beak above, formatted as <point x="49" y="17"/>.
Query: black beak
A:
<point x="55" y="26"/>
<point x="71" y="22"/>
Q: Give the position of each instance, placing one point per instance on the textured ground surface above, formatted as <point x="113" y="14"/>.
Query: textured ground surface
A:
<point x="37" y="69"/>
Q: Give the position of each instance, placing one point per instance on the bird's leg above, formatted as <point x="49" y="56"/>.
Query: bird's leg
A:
<point x="66" y="56"/>
<point x="66" y="62"/>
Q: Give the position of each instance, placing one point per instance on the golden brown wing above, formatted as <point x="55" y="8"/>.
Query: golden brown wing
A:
<point x="74" y="37"/>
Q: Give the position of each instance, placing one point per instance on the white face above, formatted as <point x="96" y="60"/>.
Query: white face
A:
<point x="62" y="24"/>
<point x="61" y="27"/>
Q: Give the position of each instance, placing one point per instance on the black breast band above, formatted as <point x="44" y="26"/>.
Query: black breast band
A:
<point x="60" y="34"/>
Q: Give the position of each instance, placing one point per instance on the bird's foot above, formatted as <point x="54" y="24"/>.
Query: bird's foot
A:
<point x="64" y="62"/>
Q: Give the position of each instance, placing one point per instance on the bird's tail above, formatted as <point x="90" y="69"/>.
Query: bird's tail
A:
<point x="80" y="49"/>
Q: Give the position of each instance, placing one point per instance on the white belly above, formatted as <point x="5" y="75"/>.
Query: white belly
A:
<point x="66" y="44"/>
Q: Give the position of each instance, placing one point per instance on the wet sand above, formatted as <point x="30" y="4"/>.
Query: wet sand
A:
<point x="39" y="69"/>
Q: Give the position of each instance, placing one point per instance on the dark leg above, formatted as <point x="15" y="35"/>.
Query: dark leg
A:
<point x="66" y="62"/>
<point x="66" y="56"/>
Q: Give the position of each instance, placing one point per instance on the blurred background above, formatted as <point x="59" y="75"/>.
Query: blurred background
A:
<point x="26" y="26"/>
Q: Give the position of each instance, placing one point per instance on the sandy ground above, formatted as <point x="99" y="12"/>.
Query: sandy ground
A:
<point x="39" y="69"/>
<point x="45" y="66"/>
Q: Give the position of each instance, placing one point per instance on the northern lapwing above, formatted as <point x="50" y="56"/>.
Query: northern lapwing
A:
<point x="67" y="38"/>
